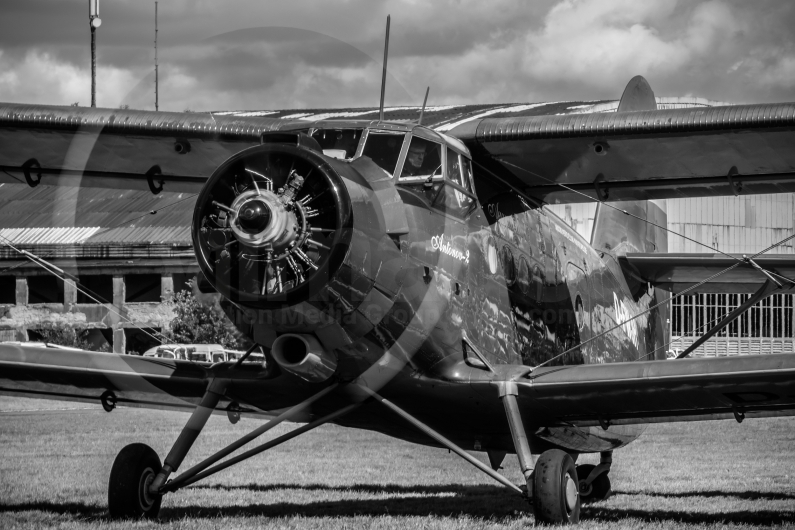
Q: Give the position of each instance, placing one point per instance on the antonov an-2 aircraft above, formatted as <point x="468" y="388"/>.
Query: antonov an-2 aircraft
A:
<point x="404" y="277"/>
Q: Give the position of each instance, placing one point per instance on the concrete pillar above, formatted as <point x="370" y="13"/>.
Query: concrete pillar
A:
<point x="119" y="341"/>
<point x="119" y="293"/>
<point x="69" y="292"/>
<point x="22" y="290"/>
<point x="166" y="287"/>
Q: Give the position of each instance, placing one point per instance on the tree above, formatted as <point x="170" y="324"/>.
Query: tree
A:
<point x="197" y="323"/>
<point x="66" y="336"/>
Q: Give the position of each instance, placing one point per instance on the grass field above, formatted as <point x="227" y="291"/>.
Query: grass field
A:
<point x="56" y="460"/>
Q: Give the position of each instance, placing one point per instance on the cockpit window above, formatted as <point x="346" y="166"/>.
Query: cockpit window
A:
<point x="458" y="169"/>
<point x="423" y="160"/>
<point x="338" y="143"/>
<point x="384" y="149"/>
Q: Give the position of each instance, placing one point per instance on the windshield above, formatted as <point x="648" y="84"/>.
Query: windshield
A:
<point x="423" y="159"/>
<point x="384" y="149"/>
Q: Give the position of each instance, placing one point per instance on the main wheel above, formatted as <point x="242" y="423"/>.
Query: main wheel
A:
<point x="596" y="491"/>
<point x="133" y="471"/>
<point x="556" y="497"/>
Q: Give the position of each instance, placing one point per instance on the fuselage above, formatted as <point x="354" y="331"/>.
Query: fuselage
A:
<point x="452" y="291"/>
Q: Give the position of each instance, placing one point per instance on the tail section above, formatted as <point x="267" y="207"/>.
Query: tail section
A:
<point x="630" y="226"/>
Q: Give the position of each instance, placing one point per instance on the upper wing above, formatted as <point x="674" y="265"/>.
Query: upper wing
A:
<point x="656" y="391"/>
<point x="676" y="272"/>
<point x="125" y="149"/>
<point x="654" y="154"/>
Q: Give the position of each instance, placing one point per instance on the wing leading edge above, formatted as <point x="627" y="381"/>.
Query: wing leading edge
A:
<point x="640" y="155"/>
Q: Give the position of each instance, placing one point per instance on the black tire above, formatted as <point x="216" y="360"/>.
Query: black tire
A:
<point x="128" y="488"/>
<point x="556" y="497"/>
<point x="596" y="491"/>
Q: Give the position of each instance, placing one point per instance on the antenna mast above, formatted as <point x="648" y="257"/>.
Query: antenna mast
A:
<point x="424" y="101"/>
<point x="157" y="106"/>
<point x="383" y="75"/>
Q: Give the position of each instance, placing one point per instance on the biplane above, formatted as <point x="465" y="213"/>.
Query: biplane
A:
<point x="401" y="274"/>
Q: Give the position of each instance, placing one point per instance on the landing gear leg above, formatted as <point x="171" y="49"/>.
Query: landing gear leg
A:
<point x="136" y="479"/>
<point x="508" y="393"/>
<point x="594" y="481"/>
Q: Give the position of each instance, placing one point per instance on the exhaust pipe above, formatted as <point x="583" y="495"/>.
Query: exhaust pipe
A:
<point x="304" y="356"/>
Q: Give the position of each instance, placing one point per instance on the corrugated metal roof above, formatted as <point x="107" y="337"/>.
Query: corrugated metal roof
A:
<point x="47" y="236"/>
<point x="51" y="215"/>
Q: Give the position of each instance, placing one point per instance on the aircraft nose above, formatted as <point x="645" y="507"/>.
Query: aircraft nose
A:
<point x="269" y="225"/>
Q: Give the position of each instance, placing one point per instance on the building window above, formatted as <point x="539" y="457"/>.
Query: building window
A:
<point x="99" y="286"/>
<point x="8" y="290"/>
<point x="142" y="287"/>
<point x="45" y="290"/>
<point x="140" y="340"/>
<point x="182" y="281"/>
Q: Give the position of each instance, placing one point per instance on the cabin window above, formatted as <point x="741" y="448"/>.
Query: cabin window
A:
<point x="523" y="276"/>
<point x="338" y="143"/>
<point x="423" y="160"/>
<point x="508" y="266"/>
<point x="383" y="148"/>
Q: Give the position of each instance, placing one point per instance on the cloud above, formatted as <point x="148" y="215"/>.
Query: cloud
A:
<point x="40" y="78"/>
<point x="314" y="53"/>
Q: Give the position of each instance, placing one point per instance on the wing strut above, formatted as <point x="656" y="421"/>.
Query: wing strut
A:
<point x="201" y="470"/>
<point x="444" y="441"/>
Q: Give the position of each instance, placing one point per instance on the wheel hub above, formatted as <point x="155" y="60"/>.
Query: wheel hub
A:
<point x="146" y="499"/>
<point x="571" y="493"/>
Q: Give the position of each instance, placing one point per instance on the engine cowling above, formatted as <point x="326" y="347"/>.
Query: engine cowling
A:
<point x="271" y="226"/>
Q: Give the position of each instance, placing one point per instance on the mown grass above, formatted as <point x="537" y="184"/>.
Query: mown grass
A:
<point x="55" y="466"/>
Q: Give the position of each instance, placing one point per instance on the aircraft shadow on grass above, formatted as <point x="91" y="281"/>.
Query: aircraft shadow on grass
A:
<point x="487" y="502"/>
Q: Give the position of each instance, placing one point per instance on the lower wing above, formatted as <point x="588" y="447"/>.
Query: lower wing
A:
<point x="128" y="380"/>
<point x="661" y="391"/>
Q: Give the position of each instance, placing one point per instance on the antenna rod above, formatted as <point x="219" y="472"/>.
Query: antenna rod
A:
<point x="424" y="101"/>
<point x="383" y="75"/>
<point x="157" y="106"/>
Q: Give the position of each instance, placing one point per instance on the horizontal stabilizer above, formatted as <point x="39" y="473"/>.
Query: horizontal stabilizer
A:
<point x="676" y="272"/>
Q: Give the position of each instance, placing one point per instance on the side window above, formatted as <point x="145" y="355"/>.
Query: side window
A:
<point x="456" y="171"/>
<point x="423" y="160"/>
<point x="466" y="171"/>
<point x="384" y="149"/>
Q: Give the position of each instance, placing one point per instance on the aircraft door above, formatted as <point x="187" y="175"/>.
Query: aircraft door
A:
<point x="577" y="327"/>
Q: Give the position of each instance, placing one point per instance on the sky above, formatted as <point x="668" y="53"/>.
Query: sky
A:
<point x="252" y="55"/>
